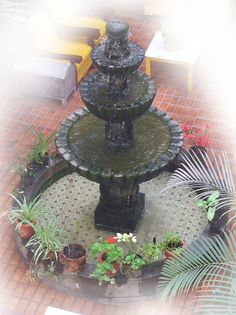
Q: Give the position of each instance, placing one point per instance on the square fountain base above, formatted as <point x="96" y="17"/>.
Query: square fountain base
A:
<point x="122" y="220"/>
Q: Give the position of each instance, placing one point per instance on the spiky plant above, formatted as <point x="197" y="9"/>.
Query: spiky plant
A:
<point x="45" y="240"/>
<point x="25" y="212"/>
<point x="208" y="268"/>
<point x="206" y="174"/>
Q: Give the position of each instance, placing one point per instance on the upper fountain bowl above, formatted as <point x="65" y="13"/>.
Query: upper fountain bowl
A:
<point x="117" y="55"/>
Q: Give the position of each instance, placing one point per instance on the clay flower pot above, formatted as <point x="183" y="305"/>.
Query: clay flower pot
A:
<point x="26" y="231"/>
<point x="73" y="257"/>
<point x="169" y="253"/>
<point x="102" y="259"/>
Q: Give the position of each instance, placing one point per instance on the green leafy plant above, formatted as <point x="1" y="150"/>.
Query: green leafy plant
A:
<point x="137" y="255"/>
<point x="151" y="252"/>
<point x="207" y="268"/>
<point x="210" y="204"/>
<point x="172" y="240"/>
<point x="133" y="261"/>
<point x="24" y="212"/>
<point x="45" y="241"/>
<point x="110" y="252"/>
<point x="41" y="146"/>
<point x="206" y="175"/>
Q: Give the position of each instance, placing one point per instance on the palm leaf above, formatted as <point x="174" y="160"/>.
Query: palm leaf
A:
<point x="205" y="175"/>
<point x="209" y="263"/>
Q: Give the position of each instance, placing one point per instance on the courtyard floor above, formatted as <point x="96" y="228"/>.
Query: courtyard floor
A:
<point x="21" y="115"/>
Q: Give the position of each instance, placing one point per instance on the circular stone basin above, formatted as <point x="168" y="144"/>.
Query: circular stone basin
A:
<point x="157" y="140"/>
<point x="131" y="104"/>
<point x="71" y="199"/>
<point x="119" y="66"/>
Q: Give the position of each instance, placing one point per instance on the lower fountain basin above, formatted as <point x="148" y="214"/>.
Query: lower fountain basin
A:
<point x="157" y="140"/>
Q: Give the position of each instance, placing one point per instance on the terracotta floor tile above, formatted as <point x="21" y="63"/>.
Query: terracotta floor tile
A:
<point x="77" y="306"/>
<point x="87" y="307"/>
<point x="98" y="309"/>
<point x="12" y="303"/>
<point x="68" y="303"/>
<point x="39" y="295"/>
<point x="31" y="308"/>
<point x="22" y="306"/>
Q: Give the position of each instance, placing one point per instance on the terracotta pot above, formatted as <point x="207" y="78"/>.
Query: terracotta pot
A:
<point x="116" y="266"/>
<point x="26" y="230"/>
<point x="51" y="256"/>
<point x="73" y="264"/>
<point x="169" y="254"/>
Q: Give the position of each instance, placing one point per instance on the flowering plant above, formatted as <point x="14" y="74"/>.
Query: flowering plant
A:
<point x="194" y="137"/>
<point x="119" y="251"/>
<point x="109" y="255"/>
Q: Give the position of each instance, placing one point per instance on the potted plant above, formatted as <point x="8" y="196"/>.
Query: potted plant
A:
<point x="45" y="243"/>
<point x="36" y="160"/>
<point x="136" y="255"/>
<point x="172" y="245"/>
<point x="109" y="255"/>
<point x="73" y="255"/>
<point x="25" y="215"/>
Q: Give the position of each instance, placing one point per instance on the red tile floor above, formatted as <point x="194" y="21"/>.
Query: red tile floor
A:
<point x="21" y="115"/>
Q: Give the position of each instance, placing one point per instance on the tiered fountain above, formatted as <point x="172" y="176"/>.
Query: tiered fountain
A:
<point x="121" y="141"/>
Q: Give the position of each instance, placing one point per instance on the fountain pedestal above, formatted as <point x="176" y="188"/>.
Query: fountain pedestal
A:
<point x="120" y="207"/>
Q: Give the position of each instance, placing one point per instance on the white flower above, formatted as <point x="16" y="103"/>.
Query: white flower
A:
<point x="112" y="281"/>
<point x="134" y="239"/>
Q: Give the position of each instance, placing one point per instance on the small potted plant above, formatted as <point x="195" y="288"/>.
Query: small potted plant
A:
<point x="73" y="255"/>
<point x="39" y="156"/>
<point x="109" y="255"/>
<point x="132" y="261"/>
<point x="45" y="243"/>
<point x="25" y="215"/>
<point x="136" y="255"/>
<point x="36" y="160"/>
<point x="172" y="245"/>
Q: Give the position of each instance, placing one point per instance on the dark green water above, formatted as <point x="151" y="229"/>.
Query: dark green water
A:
<point x="87" y="140"/>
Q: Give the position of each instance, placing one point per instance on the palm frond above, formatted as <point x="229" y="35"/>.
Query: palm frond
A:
<point x="209" y="263"/>
<point x="202" y="172"/>
<point x="205" y="175"/>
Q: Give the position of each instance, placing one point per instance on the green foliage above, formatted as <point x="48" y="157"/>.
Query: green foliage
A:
<point x="209" y="263"/>
<point x="206" y="174"/>
<point x="133" y="261"/>
<point x="45" y="240"/>
<point x="41" y="146"/>
<point x="24" y="212"/>
<point x="171" y="240"/>
<point x="113" y="254"/>
<point x="151" y="252"/>
<point x="210" y="204"/>
<point x="101" y="272"/>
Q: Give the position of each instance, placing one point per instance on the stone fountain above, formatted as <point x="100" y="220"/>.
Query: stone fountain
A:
<point x="119" y="141"/>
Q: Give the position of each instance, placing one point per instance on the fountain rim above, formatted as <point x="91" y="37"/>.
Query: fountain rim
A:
<point x="137" y="175"/>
